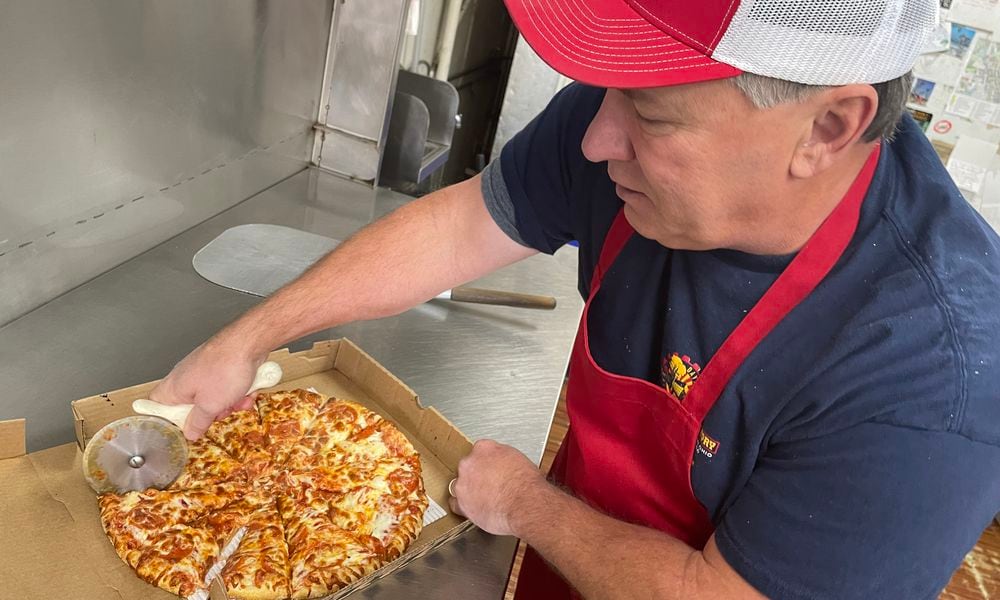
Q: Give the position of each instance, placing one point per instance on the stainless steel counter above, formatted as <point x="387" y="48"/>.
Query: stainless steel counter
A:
<point x="494" y="371"/>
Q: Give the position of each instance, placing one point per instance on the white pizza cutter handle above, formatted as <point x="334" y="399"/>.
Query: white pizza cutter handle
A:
<point x="268" y="375"/>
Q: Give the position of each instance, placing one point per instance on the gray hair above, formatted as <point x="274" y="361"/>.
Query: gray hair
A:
<point x="766" y="92"/>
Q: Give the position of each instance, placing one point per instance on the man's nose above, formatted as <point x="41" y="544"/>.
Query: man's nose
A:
<point x="607" y="136"/>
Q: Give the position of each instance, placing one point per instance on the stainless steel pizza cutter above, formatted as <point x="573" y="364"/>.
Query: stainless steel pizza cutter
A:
<point x="148" y="450"/>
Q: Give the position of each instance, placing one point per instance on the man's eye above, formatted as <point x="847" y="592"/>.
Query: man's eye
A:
<point x="654" y="125"/>
<point x="650" y="120"/>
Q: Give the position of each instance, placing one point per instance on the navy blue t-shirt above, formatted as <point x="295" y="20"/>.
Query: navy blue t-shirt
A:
<point x="855" y="453"/>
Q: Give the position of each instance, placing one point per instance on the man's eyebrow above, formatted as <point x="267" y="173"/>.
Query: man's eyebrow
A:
<point x="639" y="95"/>
<point x="646" y="99"/>
<point x="631" y="94"/>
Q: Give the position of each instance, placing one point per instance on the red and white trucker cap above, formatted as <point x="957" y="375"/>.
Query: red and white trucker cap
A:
<point x="647" y="43"/>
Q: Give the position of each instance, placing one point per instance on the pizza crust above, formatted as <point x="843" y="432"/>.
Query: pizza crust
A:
<point x="323" y="492"/>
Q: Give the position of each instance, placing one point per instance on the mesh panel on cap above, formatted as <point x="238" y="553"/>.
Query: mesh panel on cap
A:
<point x="827" y="42"/>
<point x="844" y="17"/>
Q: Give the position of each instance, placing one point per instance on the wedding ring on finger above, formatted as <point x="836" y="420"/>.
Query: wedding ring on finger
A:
<point x="451" y="487"/>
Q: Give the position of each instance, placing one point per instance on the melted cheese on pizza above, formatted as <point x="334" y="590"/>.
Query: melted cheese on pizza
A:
<point x="324" y="490"/>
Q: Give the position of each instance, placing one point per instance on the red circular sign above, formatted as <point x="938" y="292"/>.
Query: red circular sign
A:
<point x="942" y="126"/>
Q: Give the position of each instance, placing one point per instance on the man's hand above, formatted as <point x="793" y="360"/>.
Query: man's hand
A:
<point x="215" y="379"/>
<point x="495" y="481"/>
<point x="502" y="492"/>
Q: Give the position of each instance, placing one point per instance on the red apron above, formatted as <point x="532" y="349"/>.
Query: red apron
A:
<point x="631" y="443"/>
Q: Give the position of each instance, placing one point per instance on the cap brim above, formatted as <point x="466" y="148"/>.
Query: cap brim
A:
<point x="608" y="44"/>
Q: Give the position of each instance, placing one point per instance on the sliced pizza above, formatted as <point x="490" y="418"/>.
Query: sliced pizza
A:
<point x="239" y="434"/>
<point x="242" y="435"/>
<point x="335" y="422"/>
<point x="224" y="522"/>
<point x="207" y="465"/>
<point x="301" y="508"/>
<point x="178" y="559"/>
<point x="378" y="441"/>
<point x="259" y="569"/>
<point x="322" y="491"/>
<point x="286" y="416"/>
<point x="337" y="479"/>
<point x="387" y="505"/>
<point x="324" y="558"/>
<point x="146" y="512"/>
<point x="132" y="521"/>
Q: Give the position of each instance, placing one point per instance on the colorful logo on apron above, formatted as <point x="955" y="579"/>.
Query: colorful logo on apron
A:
<point x="678" y="374"/>
<point x="707" y="445"/>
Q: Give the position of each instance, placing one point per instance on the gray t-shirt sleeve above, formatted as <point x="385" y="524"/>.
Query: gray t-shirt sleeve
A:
<point x="499" y="203"/>
<point x="530" y="188"/>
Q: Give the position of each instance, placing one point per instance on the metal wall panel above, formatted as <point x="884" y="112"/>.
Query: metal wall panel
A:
<point x="125" y="122"/>
<point x="361" y="81"/>
<point x="531" y="85"/>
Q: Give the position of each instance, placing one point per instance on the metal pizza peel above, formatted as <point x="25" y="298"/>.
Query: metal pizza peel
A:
<point x="260" y="259"/>
<point x="148" y="450"/>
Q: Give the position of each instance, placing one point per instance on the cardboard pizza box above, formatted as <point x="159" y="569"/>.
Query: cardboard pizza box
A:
<point x="52" y="543"/>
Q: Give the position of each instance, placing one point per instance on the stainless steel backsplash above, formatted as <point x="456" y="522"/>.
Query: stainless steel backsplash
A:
<point x="125" y="122"/>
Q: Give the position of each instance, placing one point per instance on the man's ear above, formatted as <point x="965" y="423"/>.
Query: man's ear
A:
<point x="840" y="117"/>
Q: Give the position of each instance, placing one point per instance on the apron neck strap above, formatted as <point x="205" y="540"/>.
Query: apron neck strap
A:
<point x="809" y="267"/>
<point x="614" y="241"/>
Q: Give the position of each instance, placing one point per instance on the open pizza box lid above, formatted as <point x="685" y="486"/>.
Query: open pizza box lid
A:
<point x="54" y="545"/>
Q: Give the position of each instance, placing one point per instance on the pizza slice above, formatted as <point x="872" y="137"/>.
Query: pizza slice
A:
<point x="379" y="441"/>
<point x="242" y="435"/>
<point x="335" y="422"/>
<point x="223" y="523"/>
<point x="327" y="559"/>
<point x="238" y="434"/>
<point x="387" y="504"/>
<point x="178" y="559"/>
<point x="301" y="506"/>
<point x="207" y="465"/>
<point x="336" y="479"/>
<point x="285" y="417"/>
<point x="259" y="569"/>
<point x="303" y="511"/>
<point x="133" y="520"/>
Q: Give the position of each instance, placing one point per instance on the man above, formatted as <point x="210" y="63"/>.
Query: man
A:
<point x="785" y="382"/>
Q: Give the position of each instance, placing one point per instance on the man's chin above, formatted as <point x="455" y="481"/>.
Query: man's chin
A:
<point x="639" y="223"/>
<point x="668" y="239"/>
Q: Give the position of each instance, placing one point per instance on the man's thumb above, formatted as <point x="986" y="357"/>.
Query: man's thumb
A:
<point x="197" y="423"/>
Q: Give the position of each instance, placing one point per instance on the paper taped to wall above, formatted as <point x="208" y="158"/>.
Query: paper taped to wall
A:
<point x="977" y="95"/>
<point x="969" y="162"/>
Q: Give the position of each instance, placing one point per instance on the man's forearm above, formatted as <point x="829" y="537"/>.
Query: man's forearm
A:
<point x="408" y="257"/>
<point x="607" y="558"/>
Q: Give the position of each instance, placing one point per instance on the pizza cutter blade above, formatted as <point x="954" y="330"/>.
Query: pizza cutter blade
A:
<point x="148" y="450"/>
<point x="134" y="453"/>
